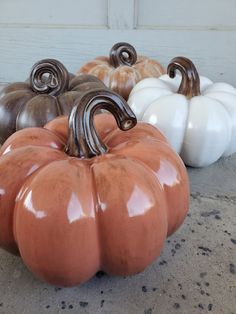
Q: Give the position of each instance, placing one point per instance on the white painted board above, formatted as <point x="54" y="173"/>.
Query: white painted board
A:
<point x="186" y="14"/>
<point x="64" y="13"/>
<point x="75" y="31"/>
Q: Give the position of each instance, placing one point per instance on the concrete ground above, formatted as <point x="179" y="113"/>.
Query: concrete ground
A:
<point x="196" y="272"/>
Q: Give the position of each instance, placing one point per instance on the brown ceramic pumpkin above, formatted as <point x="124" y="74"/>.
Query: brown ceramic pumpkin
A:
<point x="122" y="69"/>
<point x="49" y="92"/>
<point x="94" y="202"/>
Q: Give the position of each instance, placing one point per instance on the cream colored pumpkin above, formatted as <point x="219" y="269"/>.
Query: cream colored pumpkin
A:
<point x="196" y="115"/>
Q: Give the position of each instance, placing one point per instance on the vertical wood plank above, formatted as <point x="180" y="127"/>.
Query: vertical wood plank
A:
<point x="121" y="14"/>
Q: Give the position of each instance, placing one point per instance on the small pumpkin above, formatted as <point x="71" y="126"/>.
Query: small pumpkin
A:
<point x="122" y="69"/>
<point x="49" y="92"/>
<point x="73" y="208"/>
<point x="197" y="116"/>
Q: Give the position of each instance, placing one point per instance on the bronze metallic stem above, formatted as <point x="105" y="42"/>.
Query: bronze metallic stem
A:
<point x="49" y="76"/>
<point x="83" y="140"/>
<point x="190" y="83"/>
<point x="122" y="54"/>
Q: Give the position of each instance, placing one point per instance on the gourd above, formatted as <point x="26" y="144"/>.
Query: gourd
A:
<point x="197" y="116"/>
<point x="122" y="69"/>
<point x="49" y="92"/>
<point x="98" y="201"/>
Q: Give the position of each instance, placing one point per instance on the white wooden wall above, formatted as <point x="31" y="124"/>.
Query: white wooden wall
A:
<point x="75" y="31"/>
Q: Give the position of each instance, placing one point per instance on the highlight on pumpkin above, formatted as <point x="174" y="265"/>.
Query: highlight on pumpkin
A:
<point x="190" y="110"/>
<point x="113" y="182"/>
<point x="122" y="69"/>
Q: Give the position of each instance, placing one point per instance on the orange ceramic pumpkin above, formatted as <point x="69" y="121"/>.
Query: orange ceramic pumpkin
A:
<point x="122" y="69"/>
<point x="94" y="203"/>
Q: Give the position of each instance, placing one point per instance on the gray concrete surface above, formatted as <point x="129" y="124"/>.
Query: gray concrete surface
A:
<point x="196" y="272"/>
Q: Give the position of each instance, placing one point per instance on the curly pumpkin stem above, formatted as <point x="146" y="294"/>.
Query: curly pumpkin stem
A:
<point x="190" y="83"/>
<point x="83" y="140"/>
<point x="122" y="54"/>
<point x="49" y="76"/>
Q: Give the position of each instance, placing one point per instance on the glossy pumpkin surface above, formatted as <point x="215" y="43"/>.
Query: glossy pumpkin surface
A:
<point x="104" y="199"/>
<point x="122" y="69"/>
<point x="49" y="92"/>
<point x="197" y="116"/>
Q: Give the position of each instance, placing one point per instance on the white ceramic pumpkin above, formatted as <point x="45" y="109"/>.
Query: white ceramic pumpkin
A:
<point x="196" y="115"/>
